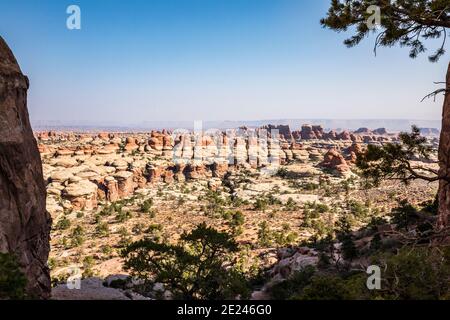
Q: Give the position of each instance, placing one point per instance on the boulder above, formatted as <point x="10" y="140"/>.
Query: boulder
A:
<point x="334" y="160"/>
<point x="93" y="289"/>
<point x="219" y="169"/>
<point x="125" y="183"/>
<point x="82" y="194"/>
<point x="307" y="132"/>
<point x="112" y="189"/>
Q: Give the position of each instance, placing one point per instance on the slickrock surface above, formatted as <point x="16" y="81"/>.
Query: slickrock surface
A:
<point x="92" y="289"/>
<point x="24" y="222"/>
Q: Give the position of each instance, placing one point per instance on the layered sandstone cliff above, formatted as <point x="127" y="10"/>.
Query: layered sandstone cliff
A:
<point x="24" y="222"/>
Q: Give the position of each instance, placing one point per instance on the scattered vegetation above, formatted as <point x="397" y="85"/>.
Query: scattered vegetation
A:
<point x="12" y="279"/>
<point x="63" y="224"/>
<point x="192" y="269"/>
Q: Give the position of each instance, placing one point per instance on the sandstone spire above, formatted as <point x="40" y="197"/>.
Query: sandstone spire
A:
<point x="24" y="221"/>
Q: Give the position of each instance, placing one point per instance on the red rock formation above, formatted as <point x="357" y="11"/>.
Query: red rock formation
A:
<point x="167" y="142"/>
<point x="307" y="133"/>
<point x="334" y="160"/>
<point x="353" y="152"/>
<point x="125" y="183"/>
<point x="344" y="135"/>
<point x="82" y="194"/>
<point x="193" y="172"/>
<point x="178" y="172"/>
<point x="332" y="135"/>
<point x="219" y="169"/>
<point x="112" y="189"/>
<point x="318" y="131"/>
<point x="65" y="152"/>
<point x="168" y="175"/>
<point x="155" y="173"/>
<point x="131" y="144"/>
<point x="103" y="135"/>
<point x="310" y="132"/>
<point x="283" y="130"/>
<point x="155" y="143"/>
<point x="24" y="221"/>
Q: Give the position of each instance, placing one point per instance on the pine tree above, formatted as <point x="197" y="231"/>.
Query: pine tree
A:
<point x="408" y="23"/>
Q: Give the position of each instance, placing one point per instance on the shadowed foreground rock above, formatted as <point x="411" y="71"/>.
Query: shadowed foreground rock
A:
<point x="24" y="221"/>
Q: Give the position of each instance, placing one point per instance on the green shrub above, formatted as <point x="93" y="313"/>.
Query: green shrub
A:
<point x="282" y="173"/>
<point x="107" y="250"/>
<point x="88" y="263"/>
<point x="77" y="236"/>
<point x="344" y="234"/>
<point x="404" y="215"/>
<point x="272" y="200"/>
<point x="326" y="287"/>
<point x="123" y="216"/>
<point x="290" y="205"/>
<point x="237" y="202"/>
<point x="358" y="209"/>
<point x="420" y="273"/>
<point x="215" y="203"/>
<point x="146" y="206"/>
<point x="107" y="211"/>
<point x="287" y="289"/>
<point x="413" y="273"/>
<point x="52" y="263"/>
<point x="63" y="224"/>
<point x="123" y="232"/>
<point x="192" y="269"/>
<point x="12" y="280"/>
<point x="260" y="204"/>
<point x="237" y="219"/>
<point x="102" y="229"/>
<point x="284" y="237"/>
<point x="316" y="207"/>
<point x="138" y="228"/>
<point x="265" y="238"/>
<point x="154" y="232"/>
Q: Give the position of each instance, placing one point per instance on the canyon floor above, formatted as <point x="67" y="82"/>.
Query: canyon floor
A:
<point x="100" y="201"/>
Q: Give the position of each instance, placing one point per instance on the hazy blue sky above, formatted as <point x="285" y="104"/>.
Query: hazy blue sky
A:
<point x="153" y="60"/>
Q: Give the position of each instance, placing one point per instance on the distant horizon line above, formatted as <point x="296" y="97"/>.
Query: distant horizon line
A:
<point x="294" y="124"/>
<point x="228" y="120"/>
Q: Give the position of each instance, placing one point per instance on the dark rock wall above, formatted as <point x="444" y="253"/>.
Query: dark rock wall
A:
<point x="24" y="221"/>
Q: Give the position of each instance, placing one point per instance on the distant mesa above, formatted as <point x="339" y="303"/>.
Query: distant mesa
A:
<point x="380" y="131"/>
<point x="429" y="131"/>
<point x="363" y="130"/>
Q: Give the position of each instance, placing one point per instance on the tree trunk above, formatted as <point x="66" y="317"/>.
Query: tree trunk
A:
<point x="24" y="221"/>
<point x="444" y="160"/>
